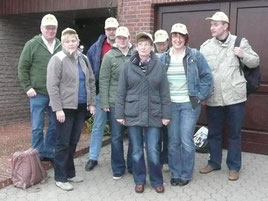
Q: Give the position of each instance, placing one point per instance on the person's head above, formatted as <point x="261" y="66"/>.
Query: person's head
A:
<point x="111" y="24"/>
<point x="122" y="37"/>
<point x="219" y="25"/>
<point x="161" y="41"/>
<point x="48" y="27"/>
<point x="179" y="36"/>
<point x="144" y="44"/>
<point x="69" y="40"/>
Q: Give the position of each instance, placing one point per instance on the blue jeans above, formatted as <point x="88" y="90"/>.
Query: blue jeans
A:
<point x="181" y="148"/>
<point x="234" y="117"/>
<point x="151" y="137"/>
<point x="67" y="137"/>
<point x="117" y="147"/>
<point x="100" y="120"/>
<point x="45" y="144"/>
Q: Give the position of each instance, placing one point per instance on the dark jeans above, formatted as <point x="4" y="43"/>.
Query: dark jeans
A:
<point x="117" y="148"/>
<point x="151" y="137"/>
<point x="67" y="137"/>
<point x="163" y="144"/>
<point x="234" y="116"/>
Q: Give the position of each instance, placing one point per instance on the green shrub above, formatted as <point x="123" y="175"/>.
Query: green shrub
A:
<point x="89" y="126"/>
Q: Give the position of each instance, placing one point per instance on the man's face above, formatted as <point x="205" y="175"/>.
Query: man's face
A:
<point x="122" y="42"/>
<point x="161" y="47"/>
<point x="144" y="48"/>
<point x="110" y="33"/>
<point x="218" y="28"/>
<point x="49" y="32"/>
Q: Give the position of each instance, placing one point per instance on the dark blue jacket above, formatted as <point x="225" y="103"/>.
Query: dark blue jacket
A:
<point x="198" y="75"/>
<point x="94" y="55"/>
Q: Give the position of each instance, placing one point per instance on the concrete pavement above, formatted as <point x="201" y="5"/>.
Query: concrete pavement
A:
<point x="99" y="185"/>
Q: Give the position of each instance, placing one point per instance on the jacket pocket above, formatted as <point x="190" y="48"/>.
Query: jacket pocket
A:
<point x="240" y="89"/>
<point x="132" y="106"/>
<point x="155" y="106"/>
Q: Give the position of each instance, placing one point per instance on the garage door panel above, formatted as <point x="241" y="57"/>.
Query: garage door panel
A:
<point x="248" y="19"/>
<point x="252" y="24"/>
<point x="193" y="17"/>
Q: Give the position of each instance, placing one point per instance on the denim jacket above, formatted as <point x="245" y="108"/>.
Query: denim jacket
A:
<point x="198" y="74"/>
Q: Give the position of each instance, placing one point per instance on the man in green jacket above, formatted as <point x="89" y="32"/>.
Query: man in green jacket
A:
<point x="32" y="71"/>
<point x="109" y="77"/>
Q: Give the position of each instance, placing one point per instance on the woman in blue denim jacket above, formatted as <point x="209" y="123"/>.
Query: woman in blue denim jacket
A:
<point x="190" y="83"/>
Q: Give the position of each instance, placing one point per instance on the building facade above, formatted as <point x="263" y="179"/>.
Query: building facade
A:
<point x="20" y="21"/>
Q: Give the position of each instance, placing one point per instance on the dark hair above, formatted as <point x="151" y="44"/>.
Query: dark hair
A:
<point x="185" y="36"/>
<point x="145" y="38"/>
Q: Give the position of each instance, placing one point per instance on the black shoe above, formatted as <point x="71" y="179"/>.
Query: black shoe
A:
<point x="175" y="182"/>
<point x="90" y="165"/>
<point x="183" y="182"/>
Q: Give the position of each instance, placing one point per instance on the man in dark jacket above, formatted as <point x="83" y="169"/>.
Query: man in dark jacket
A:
<point x="32" y="71"/>
<point x="95" y="55"/>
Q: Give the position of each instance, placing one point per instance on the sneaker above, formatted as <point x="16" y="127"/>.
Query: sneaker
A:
<point x="66" y="186"/>
<point x="208" y="169"/>
<point x="233" y="175"/>
<point x="75" y="179"/>
<point x="117" y="176"/>
<point x="90" y="165"/>
<point x="165" y="168"/>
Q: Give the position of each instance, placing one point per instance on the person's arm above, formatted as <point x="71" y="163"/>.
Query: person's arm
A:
<point x="121" y="95"/>
<point x="53" y="82"/>
<point x="165" y="98"/>
<point x="104" y="81"/>
<point x="24" y="68"/>
<point x="92" y="97"/>
<point x="248" y="56"/>
<point x="205" y="77"/>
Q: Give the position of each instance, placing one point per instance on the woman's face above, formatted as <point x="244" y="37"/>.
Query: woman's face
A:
<point x="178" y="40"/>
<point x="144" y="48"/>
<point x="70" y="43"/>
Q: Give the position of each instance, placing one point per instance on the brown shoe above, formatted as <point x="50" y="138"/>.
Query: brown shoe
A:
<point x="233" y="175"/>
<point x="139" y="188"/>
<point x="159" y="189"/>
<point x="208" y="169"/>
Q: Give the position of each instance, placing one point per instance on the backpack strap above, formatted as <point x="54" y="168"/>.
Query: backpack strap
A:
<point x="237" y="44"/>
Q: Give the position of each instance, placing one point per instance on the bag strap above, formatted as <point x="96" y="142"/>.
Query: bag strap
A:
<point x="85" y="59"/>
<point x="237" y="44"/>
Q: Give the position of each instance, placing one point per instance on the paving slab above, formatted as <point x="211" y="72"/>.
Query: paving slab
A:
<point x="98" y="184"/>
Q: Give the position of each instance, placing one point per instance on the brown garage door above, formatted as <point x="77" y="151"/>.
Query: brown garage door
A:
<point x="248" y="19"/>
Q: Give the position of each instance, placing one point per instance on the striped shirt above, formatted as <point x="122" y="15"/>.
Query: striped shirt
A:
<point x="177" y="79"/>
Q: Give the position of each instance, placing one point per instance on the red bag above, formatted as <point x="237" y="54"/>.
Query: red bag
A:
<point x="27" y="169"/>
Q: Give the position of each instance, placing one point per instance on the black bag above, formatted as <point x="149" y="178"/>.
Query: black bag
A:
<point x="252" y="75"/>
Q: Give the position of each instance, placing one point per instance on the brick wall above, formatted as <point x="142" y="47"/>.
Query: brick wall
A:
<point x="138" y="15"/>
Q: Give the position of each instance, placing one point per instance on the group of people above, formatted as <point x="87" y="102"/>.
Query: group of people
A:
<point x="152" y="92"/>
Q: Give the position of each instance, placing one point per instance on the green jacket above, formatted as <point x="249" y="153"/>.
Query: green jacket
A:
<point x="109" y="75"/>
<point x="32" y="67"/>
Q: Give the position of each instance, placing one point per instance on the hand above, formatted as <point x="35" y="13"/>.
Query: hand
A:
<point x="91" y="109"/>
<point x="239" y="52"/>
<point x="31" y="93"/>
<point x="121" y="121"/>
<point x="106" y="109"/>
<point x="60" y="116"/>
<point x="165" y="122"/>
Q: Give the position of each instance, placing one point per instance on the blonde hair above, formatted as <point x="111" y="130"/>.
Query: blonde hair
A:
<point x="64" y="37"/>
